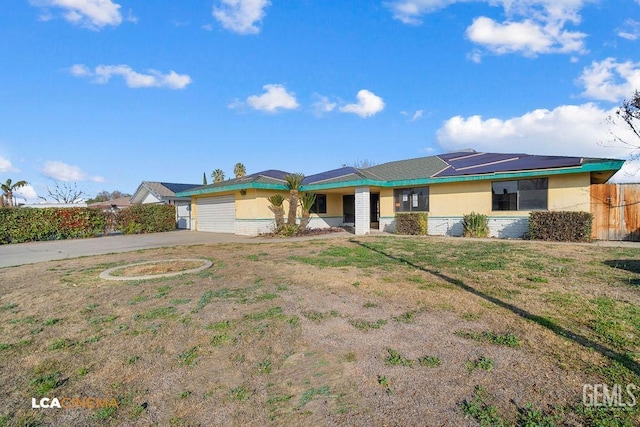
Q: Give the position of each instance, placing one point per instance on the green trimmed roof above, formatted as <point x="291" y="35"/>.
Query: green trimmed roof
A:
<point x="450" y="167"/>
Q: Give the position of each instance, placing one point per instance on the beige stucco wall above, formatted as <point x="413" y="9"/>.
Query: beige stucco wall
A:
<point x="566" y="193"/>
<point x="255" y="204"/>
<point x="386" y="202"/>
<point x="570" y="192"/>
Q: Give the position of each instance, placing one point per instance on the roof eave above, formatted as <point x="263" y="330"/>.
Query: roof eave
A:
<point x="232" y="187"/>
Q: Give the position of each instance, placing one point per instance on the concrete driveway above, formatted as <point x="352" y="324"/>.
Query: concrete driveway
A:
<point x="32" y="252"/>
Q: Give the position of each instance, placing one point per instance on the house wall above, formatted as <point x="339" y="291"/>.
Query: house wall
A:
<point x="150" y="198"/>
<point x="448" y="202"/>
<point x="254" y="217"/>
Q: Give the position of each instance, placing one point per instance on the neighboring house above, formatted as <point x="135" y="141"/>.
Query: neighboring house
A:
<point x="165" y="192"/>
<point x="506" y="187"/>
<point x="114" y="204"/>
<point x="53" y="205"/>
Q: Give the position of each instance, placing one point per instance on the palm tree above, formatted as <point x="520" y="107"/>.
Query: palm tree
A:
<point x="9" y="187"/>
<point x="276" y="207"/>
<point x="239" y="170"/>
<point x="293" y="184"/>
<point x="307" y="200"/>
<point x="217" y="175"/>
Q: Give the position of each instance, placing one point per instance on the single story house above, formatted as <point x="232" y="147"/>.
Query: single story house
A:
<point x="166" y="193"/>
<point x="504" y="186"/>
<point x="113" y="204"/>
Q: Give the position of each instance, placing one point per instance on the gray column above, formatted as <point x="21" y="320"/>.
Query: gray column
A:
<point x="363" y="212"/>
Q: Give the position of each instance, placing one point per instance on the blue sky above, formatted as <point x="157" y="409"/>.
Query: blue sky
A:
<point x="107" y="93"/>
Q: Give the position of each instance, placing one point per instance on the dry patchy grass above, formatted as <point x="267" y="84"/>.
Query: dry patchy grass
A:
<point x="366" y="331"/>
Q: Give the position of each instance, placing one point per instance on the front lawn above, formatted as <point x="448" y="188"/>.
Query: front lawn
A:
<point x="362" y="331"/>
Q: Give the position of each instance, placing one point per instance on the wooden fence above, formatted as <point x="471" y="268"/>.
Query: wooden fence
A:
<point x="616" y="211"/>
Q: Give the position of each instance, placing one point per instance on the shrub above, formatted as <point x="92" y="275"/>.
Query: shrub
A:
<point x="33" y="224"/>
<point x="147" y="219"/>
<point x="560" y="226"/>
<point x="414" y="223"/>
<point x="475" y="225"/>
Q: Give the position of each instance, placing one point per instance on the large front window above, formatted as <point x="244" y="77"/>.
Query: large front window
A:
<point x="411" y="199"/>
<point x="320" y="204"/>
<point x="521" y="195"/>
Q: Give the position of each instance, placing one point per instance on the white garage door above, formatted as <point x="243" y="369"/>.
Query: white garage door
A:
<point x="216" y="214"/>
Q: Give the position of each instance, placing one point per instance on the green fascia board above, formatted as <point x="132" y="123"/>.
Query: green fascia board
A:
<point x="612" y="165"/>
<point x="232" y="187"/>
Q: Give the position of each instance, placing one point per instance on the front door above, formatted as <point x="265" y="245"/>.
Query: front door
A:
<point x="374" y="209"/>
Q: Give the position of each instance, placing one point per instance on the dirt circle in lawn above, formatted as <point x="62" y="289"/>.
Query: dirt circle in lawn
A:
<point x="154" y="269"/>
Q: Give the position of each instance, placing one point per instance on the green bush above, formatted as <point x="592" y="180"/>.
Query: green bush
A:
<point x="19" y="225"/>
<point x="414" y="223"/>
<point x="146" y="219"/>
<point x="560" y="226"/>
<point x="475" y="225"/>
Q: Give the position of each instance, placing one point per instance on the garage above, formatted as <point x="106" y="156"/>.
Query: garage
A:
<point x="216" y="214"/>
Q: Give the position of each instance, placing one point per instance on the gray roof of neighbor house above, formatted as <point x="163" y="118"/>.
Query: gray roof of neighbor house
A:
<point x="161" y="190"/>
<point x="450" y="167"/>
<point x="120" y="202"/>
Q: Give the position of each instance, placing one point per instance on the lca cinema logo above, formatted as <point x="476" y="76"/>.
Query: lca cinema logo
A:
<point x="73" y="403"/>
<point x="616" y="396"/>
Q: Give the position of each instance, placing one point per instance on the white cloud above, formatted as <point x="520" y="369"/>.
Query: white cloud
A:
<point x="26" y="194"/>
<point x="609" y="80"/>
<point x="630" y="172"/>
<point x="414" y="116"/>
<point x="6" y="166"/>
<point x="571" y="130"/>
<point x="93" y="14"/>
<point x="410" y="11"/>
<point x="630" y="30"/>
<point x="275" y="97"/>
<point x="241" y="16"/>
<point x="133" y="79"/>
<point x="368" y="104"/>
<point x="61" y="171"/>
<point x="323" y="105"/>
<point x="527" y="37"/>
<point x="532" y="27"/>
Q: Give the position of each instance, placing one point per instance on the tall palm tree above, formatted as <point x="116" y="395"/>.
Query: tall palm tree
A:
<point x="217" y="175"/>
<point x="294" y="181"/>
<point x="9" y="187"/>
<point x="239" y="170"/>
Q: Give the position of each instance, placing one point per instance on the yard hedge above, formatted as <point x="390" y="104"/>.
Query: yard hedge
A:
<point x="146" y="219"/>
<point x="560" y="226"/>
<point x="414" y="223"/>
<point x="19" y="225"/>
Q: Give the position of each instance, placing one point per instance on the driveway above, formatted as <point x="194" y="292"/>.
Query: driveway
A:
<point x="32" y="252"/>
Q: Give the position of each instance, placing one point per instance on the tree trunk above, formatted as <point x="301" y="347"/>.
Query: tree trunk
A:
<point x="304" y="221"/>
<point x="293" y="208"/>
<point x="278" y="212"/>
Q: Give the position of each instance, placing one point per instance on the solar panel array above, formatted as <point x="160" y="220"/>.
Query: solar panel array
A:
<point x="463" y="163"/>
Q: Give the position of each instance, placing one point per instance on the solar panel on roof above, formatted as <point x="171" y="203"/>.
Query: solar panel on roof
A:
<point x="526" y="162"/>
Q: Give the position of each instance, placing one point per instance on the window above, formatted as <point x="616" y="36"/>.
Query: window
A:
<point x="320" y="205"/>
<point x="521" y="195"/>
<point x="411" y="199"/>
